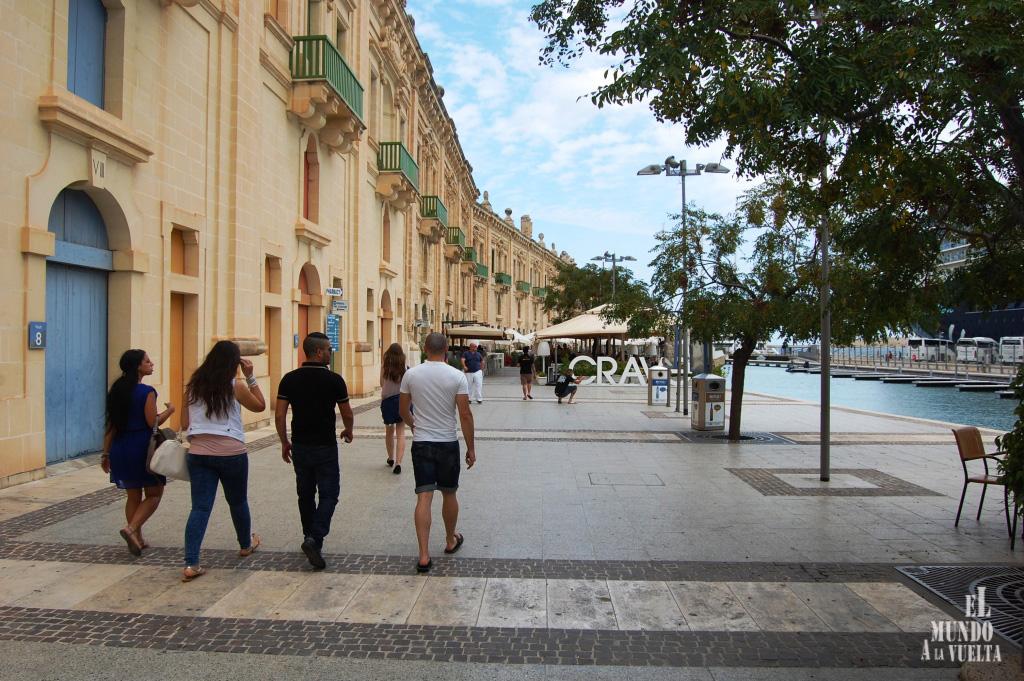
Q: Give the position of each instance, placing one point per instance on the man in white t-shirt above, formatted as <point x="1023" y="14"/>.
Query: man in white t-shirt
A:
<point x="437" y="391"/>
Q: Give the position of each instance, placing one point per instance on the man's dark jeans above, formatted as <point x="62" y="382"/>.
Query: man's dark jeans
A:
<point x="316" y="471"/>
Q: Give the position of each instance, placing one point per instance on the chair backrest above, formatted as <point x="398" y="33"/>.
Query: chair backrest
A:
<point x="968" y="441"/>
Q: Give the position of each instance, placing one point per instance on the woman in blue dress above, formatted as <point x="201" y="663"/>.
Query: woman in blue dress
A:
<point x="131" y="417"/>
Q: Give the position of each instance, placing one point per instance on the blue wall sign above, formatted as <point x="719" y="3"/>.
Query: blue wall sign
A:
<point x="333" y="331"/>
<point x="36" y="335"/>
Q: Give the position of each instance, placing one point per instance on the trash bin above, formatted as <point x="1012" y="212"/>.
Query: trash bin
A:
<point x="658" y="392"/>
<point x="708" y="402"/>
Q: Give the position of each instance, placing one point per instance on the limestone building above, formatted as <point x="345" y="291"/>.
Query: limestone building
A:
<point x="180" y="171"/>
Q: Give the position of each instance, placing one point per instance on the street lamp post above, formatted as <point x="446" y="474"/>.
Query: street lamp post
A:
<point x="674" y="168"/>
<point x="613" y="258"/>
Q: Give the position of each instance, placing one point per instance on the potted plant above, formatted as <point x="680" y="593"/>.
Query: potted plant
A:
<point x="1012" y="445"/>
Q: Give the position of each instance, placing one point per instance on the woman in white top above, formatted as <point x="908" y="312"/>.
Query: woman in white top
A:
<point x="217" y="451"/>
<point x="391" y="372"/>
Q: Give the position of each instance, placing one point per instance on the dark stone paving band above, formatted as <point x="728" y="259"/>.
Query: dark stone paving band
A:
<point x="464" y="644"/>
<point x="450" y="566"/>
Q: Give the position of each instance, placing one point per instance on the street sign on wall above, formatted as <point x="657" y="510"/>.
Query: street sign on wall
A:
<point x="334" y="331"/>
<point x="339" y="306"/>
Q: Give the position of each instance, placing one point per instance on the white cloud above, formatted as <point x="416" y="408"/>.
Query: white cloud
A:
<point x="539" y="145"/>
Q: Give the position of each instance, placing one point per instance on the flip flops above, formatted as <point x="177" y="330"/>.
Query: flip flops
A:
<point x="192" y="572"/>
<point x="425" y="568"/>
<point x="254" y="544"/>
<point x="458" y="544"/>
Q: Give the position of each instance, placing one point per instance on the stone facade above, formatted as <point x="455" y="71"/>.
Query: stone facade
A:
<point x="240" y="167"/>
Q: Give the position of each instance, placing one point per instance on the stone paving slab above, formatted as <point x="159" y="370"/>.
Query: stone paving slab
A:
<point x="418" y="599"/>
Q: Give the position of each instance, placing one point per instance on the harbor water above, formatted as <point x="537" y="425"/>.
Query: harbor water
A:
<point x="941" y="404"/>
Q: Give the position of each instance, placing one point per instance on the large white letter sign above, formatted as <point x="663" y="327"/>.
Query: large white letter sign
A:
<point x="583" y="358"/>
<point x="609" y="374"/>
<point x="633" y="369"/>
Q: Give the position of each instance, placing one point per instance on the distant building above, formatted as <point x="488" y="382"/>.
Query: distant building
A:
<point x="181" y="171"/>
<point x="1007" y="320"/>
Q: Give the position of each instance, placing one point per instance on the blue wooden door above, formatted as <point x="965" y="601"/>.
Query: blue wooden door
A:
<point x="76" y="316"/>
<point x="87" y="36"/>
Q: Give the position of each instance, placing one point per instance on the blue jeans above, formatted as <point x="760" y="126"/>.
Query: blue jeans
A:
<point x="205" y="472"/>
<point x="316" y="471"/>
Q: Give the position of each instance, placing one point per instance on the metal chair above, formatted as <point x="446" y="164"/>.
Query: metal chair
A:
<point x="971" y="448"/>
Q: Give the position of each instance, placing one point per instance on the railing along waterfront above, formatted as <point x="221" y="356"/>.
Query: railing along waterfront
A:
<point x="393" y="157"/>
<point x="903" y="357"/>
<point x="432" y="207"/>
<point x="502" y="278"/>
<point x="314" y="57"/>
<point x="456" y="236"/>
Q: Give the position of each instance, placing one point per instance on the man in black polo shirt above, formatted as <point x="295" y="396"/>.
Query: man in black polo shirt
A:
<point x="312" y="390"/>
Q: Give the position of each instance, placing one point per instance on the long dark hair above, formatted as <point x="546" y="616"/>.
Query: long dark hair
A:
<point x="119" y="399"/>
<point x="211" y="382"/>
<point x="394" y="363"/>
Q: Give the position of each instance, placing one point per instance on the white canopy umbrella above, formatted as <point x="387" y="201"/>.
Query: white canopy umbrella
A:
<point x="475" y="331"/>
<point x="590" y="324"/>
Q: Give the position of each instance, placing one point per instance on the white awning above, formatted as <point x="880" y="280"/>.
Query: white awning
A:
<point x="590" y="324"/>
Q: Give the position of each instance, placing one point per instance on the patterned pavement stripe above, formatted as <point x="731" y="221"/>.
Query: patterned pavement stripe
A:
<point x="464" y="644"/>
<point x="445" y="566"/>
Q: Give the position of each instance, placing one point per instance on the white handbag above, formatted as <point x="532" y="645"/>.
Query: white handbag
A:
<point x="169" y="460"/>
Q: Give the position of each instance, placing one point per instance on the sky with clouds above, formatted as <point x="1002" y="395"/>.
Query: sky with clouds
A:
<point x="539" y="146"/>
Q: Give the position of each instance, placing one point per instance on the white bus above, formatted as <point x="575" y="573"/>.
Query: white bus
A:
<point x="1011" y="349"/>
<point x="930" y="349"/>
<point x="978" y="349"/>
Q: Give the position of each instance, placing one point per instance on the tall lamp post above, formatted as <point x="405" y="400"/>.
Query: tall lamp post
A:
<point x="674" y="168"/>
<point x="613" y="259"/>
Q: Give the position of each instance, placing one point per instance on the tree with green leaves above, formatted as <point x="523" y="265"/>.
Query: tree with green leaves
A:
<point x="752" y="276"/>
<point x="897" y="121"/>
<point x="575" y="290"/>
<point x="1012" y="446"/>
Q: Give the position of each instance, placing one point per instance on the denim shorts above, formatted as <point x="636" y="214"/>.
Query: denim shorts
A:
<point x="435" y="465"/>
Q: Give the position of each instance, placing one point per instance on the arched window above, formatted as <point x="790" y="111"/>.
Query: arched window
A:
<point x="311" y="182"/>
<point x="87" y="39"/>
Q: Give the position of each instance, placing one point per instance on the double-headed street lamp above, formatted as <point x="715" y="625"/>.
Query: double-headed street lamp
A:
<point x="674" y="168"/>
<point x="613" y="258"/>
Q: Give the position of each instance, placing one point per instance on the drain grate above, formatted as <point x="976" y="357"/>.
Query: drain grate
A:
<point x="721" y="438"/>
<point x="1004" y="591"/>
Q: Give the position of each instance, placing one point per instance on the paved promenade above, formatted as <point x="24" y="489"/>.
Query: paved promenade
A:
<point x="603" y="539"/>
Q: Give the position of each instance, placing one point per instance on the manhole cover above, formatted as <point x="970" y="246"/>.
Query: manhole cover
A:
<point x="637" y="479"/>
<point x="721" y="438"/>
<point x="1004" y="591"/>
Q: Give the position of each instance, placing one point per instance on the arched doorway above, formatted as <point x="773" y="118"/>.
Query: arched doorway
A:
<point x="386" y="318"/>
<point x="309" y="307"/>
<point x="76" y="317"/>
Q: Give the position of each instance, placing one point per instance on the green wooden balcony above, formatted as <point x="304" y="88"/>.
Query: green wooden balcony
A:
<point x="393" y="157"/>
<point x="523" y="286"/>
<point x="431" y="207"/>
<point x="502" y="278"/>
<point x="540" y="292"/>
<point x="314" y="57"/>
<point x="456" y="237"/>
<point x="481" y="270"/>
<point x="469" y="254"/>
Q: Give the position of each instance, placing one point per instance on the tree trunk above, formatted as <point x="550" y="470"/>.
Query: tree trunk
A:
<point x="739" y="373"/>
